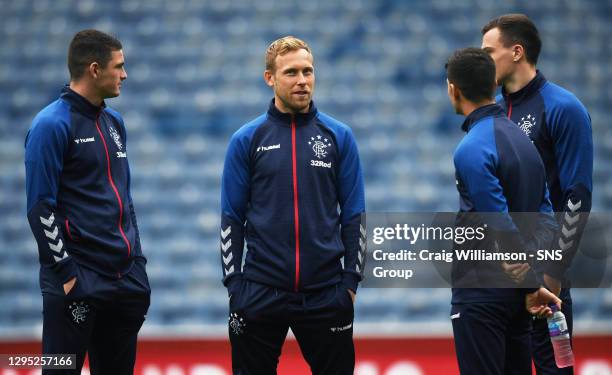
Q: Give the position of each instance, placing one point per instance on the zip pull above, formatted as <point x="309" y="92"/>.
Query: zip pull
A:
<point x="509" y="106"/>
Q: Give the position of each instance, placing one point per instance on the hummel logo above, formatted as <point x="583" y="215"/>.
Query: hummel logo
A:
<point x="226" y="232"/>
<point x="573" y="207"/>
<point x="47" y="221"/>
<point x="268" y="148"/>
<point x="51" y="235"/>
<point x="226" y="245"/>
<point x="571" y="220"/>
<point x="57" y="247"/>
<point x="226" y="253"/>
<point x="341" y="329"/>
<point x="564" y="246"/>
<point x="568" y="232"/>
<point x="84" y="140"/>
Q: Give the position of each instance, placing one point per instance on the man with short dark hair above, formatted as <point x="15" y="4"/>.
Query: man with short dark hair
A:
<point x="92" y="275"/>
<point x="292" y="189"/>
<point x="498" y="171"/>
<point x="559" y="126"/>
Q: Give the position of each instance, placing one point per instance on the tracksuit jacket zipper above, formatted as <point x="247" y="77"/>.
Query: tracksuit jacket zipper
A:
<point x="296" y="214"/>
<point x="509" y="106"/>
<point x="112" y="183"/>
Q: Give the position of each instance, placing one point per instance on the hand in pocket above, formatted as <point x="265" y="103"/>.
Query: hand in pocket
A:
<point x="69" y="285"/>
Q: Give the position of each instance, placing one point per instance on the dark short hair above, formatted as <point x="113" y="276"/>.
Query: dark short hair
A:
<point x="517" y="28"/>
<point x="472" y="70"/>
<point x="88" y="46"/>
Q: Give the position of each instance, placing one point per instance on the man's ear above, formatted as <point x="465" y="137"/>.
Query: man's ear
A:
<point x="453" y="90"/>
<point x="94" y="69"/>
<point x="269" y="78"/>
<point x="518" y="52"/>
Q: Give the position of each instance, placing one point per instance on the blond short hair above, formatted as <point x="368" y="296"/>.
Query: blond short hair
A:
<point x="282" y="46"/>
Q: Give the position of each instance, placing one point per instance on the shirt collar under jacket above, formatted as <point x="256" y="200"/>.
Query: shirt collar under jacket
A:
<point x="80" y="103"/>
<point x="489" y="110"/>
<point x="526" y="92"/>
<point x="286" y="118"/>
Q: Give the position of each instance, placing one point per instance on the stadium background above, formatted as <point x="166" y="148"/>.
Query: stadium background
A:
<point x="195" y="75"/>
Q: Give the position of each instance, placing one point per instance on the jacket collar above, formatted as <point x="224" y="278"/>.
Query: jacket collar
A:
<point x="81" y="104"/>
<point x="526" y="92"/>
<point x="489" y="110"/>
<point x="286" y="119"/>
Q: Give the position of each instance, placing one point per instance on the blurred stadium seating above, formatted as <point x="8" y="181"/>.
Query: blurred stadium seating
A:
<point x="195" y="75"/>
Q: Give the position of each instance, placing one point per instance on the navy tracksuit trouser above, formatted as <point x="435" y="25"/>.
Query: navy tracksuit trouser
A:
<point x="492" y="338"/>
<point x="322" y="322"/>
<point x="99" y="316"/>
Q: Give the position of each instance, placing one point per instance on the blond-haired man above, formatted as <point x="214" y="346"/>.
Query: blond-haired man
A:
<point x="292" y="189"/>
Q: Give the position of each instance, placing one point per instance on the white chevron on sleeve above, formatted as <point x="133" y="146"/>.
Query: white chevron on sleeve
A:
<point x="226" y="232"/>
<point x="568" y="232"/>
<point x="229" y="270"/>
<point x="47" y="222"/>
<point x="362" y="244"/>
<point x="227" y="245"/>
<point x="362" y="230"/>
<point x="58" y="247"/>
<point x="573" y="207"/>
<point x="57" y="259"/>
<point x="564" y="246"/>
<point x="571" y="220"/>
<point x="228" y="259"/>
<point x="51" y="235"/>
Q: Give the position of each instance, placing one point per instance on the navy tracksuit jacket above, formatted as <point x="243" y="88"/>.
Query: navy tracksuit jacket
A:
<point x="292" y="188"/>
<point x="560" y="127"/>
<point x="498" y="170"/>
<point x="78" y="189"/>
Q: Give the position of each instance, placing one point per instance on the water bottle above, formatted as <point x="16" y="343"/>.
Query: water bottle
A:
<point x="560" y="338"/>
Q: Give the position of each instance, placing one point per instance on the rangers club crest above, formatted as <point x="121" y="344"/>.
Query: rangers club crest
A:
<point x="115" y="136"/>
<point x="79" y="311"/>
<point x="236" y="324"/>
<point x="527" y="123"/>
<point x="319" y="144"/>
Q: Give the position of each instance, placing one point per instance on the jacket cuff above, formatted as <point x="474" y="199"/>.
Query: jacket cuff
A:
<point x="232" y="283"/>
<point x="351" y="280"/>
<point x="532" y="280"/>
<point x="66" y="269"/>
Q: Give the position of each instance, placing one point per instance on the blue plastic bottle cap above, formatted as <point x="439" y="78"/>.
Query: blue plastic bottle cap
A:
<point x="553" y="306"/>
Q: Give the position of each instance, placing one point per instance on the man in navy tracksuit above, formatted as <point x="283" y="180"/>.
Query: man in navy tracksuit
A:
<point x="498" y="171"/>
<point x="293" y="190"/>
<point x="560" y="128"/>
<point x="92" y="275"/>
